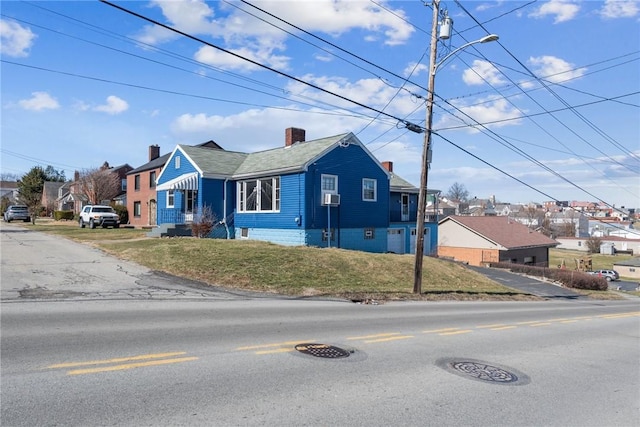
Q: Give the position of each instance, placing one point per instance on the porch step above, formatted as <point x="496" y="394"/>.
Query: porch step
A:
<point x="170" y="230"/>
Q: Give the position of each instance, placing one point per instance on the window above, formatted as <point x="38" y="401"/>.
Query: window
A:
<point x="369" y="233"/>
<point x="136" y="182"/>
<point x="369" y="187"/>
<point x="329" y="184"/>
<point x="244" y="232"/>
<point x="177" y="162"/>
<point x="123" y="184"/>
<point x="152" y="179"/>
<point x="259" y="195"/>
<point x="170" y="198"/>
<point x="137" y="209"/>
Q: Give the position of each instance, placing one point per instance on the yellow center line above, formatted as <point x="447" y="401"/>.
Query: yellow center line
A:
<point x="130" y="366"/>
<point x="501" y="328"/>
<point x="557" y="320"/>
<point x="569" y="321"/>
<point x="540" y="324"/>
<point x="278" y="344"/>
<point x="401" y="337"/>
<point x="437" y="331"/>
<point x="528" y="323"/>
<point x="497" y="325"/>
<point x="464" y="331"/>
<point x="583" y="318"/>
<point x="365" y="337"/>
<point x="278" y="350"/>
<point x="116" y="360"/>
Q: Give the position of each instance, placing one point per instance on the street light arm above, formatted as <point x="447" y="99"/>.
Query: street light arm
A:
<point x="485" y="39"/>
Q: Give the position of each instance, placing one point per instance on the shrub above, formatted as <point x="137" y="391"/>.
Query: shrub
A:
<point x="203" y="223"/>
<point x="60" y="215"/>
<point x="569" y="278"/>
<point x="123" y="213"/>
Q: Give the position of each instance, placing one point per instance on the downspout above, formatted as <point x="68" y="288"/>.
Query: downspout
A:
<point x="224" y="207"/>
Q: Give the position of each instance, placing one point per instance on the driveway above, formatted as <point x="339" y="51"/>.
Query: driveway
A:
<point x="36" y="265"/>
<point x="527" y="284"/>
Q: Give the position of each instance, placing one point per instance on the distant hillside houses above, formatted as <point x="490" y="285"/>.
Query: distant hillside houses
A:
<point x="553" y="218"/>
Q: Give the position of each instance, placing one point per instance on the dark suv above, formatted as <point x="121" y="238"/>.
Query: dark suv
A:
<point x="17" y="212"/>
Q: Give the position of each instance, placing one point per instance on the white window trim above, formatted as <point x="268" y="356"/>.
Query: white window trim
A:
<point x="276" y="196"/>
<point x="335" y="179"/>
<point x="177" y="162"/>
<point x="375" y="189"/>
<point x="173" y="196"/>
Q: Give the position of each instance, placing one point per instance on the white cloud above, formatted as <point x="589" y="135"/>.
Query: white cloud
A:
<point x="113" y="106"/>
<point x="563" y="10"/>
<point x="414" y="69"/>
<point x="554" y="69"/>
<point x="39" y="101"/>
<point x="613" y="9"/>
<point x="482" y="72"/>
<point x="15" y="40"/>
<point x="242" y="32"/>
<point x="492" y="112"/>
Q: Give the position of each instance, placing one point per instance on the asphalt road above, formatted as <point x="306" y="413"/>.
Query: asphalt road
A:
<point x="94" y="348"/>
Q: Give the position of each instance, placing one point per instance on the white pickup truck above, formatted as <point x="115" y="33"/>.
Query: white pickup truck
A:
<point x="99" y="215"/>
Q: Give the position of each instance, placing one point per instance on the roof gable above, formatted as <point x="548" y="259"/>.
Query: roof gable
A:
<point x="502" y="231"/>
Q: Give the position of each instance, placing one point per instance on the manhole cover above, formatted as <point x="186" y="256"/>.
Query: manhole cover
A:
<point x="483" y="371"/>
<point x="323" y="350"/>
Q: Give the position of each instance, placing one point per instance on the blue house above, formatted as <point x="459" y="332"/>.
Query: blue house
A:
<point x="329" y="192"/>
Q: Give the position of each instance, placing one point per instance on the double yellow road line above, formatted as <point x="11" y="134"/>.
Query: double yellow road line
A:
<point x="122" y="363"/>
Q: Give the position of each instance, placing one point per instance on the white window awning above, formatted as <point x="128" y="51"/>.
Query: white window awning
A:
<point x="187" y="181"/>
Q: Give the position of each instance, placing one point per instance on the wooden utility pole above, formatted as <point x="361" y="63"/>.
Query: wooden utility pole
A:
<point x="426" y="155"/>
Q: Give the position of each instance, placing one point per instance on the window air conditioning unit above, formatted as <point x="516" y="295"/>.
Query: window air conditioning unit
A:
<point x="331" y="199"/>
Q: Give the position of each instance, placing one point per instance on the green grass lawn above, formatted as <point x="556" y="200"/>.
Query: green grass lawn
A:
<point x="299" y="271"/>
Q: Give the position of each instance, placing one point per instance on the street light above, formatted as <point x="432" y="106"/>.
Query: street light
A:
<point x="426" y="147"/>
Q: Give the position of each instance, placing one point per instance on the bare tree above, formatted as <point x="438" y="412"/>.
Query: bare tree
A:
<point x="99" y="185"/>
<point x="534" y="216"/>
<point x="593" y="244"/>
<point x="203" y="223"/>
<point x="458" y="192"/>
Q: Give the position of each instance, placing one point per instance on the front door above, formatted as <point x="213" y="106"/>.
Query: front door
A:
<point x="404" y="200"/>
<point x="153" y="209"/>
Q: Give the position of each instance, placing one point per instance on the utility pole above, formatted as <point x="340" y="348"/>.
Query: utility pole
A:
<point x="426" y="155"/>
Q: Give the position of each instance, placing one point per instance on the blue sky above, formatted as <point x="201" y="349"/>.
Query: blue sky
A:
<point x="549" y="111"/>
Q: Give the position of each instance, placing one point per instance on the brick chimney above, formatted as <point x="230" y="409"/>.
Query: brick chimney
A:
<point x="388" y="166"/>
<point x="154" y="152"/>
<point x="293" y="135"/>
<point x="76" y="176"/>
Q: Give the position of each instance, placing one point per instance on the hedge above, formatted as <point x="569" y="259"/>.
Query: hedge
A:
<point x="569" y="278"/>
<point x="66" y="215"/>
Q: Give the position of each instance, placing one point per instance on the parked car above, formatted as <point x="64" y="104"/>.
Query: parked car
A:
<point x="610" y="275"/>
<point x="99" y="215"/>
<point x="17" y="212"/>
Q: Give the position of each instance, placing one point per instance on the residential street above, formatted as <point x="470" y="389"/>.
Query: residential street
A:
<point x="88" y="340"/>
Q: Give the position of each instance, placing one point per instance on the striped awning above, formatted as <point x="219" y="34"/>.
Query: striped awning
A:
<point x="187" y="181"/>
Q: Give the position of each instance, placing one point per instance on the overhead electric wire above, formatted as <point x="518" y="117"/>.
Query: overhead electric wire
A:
<point x="550" y="90"/>
<point x="199" y="40"/>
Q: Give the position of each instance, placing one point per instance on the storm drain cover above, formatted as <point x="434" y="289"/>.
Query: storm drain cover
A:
<point x="483" y="371"/>
<point x="323" y="350"/>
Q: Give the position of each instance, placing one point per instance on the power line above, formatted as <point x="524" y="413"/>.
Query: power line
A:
<point x="409" y="125"/>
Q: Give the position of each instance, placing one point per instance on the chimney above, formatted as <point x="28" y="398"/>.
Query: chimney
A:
<point x="388" y="166"/>
<point x="76" y="176"/>
<point x="154" y="152"/>
<point x="293" y="135"/>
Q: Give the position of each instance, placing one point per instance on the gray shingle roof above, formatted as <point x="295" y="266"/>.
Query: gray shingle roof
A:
<point x="214" y="162"/>
<point x="286" y="159"/>
<point x="158" y="162"/>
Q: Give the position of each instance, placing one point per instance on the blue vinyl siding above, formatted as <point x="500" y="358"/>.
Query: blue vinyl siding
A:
<point x="395" y="207"/>
<point x="350" y="164"/>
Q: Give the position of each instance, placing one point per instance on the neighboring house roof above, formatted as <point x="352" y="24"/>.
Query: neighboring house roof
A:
<point x="153" y="164"/>
<point x="399" y="185"/>
<point x="502" y="231"/>
<point x="633" y="262"/>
